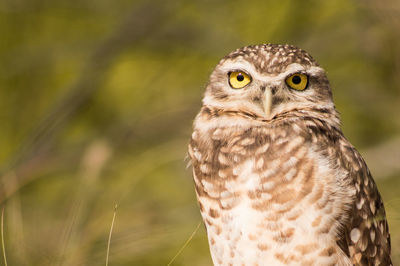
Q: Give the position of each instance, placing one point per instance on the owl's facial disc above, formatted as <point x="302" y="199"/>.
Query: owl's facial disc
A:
<point x="239" y="86"/>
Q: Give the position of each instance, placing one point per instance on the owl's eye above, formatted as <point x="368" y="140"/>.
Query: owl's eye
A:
<point x="297" y="81"/>
<point x="238" y="79"/>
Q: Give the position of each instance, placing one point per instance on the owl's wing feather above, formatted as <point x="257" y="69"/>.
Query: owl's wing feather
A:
<point x="364" y="234"/>
<point x="365" y="237"/>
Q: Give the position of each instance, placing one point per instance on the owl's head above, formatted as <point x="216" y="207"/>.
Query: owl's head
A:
<point x="268" y="80"/>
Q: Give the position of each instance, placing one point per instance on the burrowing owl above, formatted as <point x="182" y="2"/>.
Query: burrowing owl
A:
<point x="276" y="180"/>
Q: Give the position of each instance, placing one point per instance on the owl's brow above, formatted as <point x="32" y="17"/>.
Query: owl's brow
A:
<point x="291" y="69"/>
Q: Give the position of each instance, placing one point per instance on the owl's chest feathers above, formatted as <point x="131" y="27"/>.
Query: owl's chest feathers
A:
<point x="262" y="191"/>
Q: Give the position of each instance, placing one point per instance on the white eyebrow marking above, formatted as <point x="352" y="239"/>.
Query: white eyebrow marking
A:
<point x="272" y="79"/>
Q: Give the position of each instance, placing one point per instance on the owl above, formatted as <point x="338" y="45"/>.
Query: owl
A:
<point x="276" y="181"/>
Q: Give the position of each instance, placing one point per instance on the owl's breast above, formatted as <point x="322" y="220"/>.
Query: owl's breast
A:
<point x="264" y="192"/>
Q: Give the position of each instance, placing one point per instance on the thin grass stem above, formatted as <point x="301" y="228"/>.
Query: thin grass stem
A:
<point x="110" y="234"/>
<point x="2" y="237"/>
<point x="184" y="245"/>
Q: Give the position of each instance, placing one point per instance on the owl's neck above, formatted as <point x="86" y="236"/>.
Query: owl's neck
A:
<point x="213" y="117"/>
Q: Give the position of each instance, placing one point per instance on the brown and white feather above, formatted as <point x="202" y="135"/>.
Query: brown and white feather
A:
<point x="287" y="189"/>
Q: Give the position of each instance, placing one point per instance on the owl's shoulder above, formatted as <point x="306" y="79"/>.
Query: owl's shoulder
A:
<point x="364" y="235"/>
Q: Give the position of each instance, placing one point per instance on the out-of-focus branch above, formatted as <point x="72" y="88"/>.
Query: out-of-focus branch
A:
<point x="123" y="135"/>
<point x="140" y="23"/>
<point x="383" y="159"/>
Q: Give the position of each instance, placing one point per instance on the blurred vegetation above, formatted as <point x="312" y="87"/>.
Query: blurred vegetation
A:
<point x="97" y="100"/>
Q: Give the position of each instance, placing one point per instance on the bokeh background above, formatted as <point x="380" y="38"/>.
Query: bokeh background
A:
<point x="97" y="98"/>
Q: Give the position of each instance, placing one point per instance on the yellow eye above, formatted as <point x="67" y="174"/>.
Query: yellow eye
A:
<point x="297" y="81"/>
<point x="238" y="79"/>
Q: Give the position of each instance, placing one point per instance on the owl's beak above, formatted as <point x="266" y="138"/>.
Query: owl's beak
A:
<point x="267" y="101"/>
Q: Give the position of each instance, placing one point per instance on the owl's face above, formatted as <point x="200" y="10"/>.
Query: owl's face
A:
<point x="267" y="80"/>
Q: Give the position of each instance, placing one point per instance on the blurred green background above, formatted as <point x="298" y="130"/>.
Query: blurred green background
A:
<point x="97" y="100"/>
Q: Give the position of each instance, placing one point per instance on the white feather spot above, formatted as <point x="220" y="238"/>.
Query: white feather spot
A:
<point x="204" y="168"/>
<point x="217" y="134"/>
<point x="281" y="140"/>
<point x="207" y="185"/>
<point x="372" y="235"/>
<point x="262" y="149"/>
<point x="222" y="158"/>
<point x="197" y="154"/>
<point x="227" y="202"/>
<point x="357" y="187"/>
<point x="291" y="162"/>
<point x="253" y="182"/>
<point x="247" y="141"/>
<point x="294" y="143"/>
<point x="292" y="172"/>
<point x="355" y="235"/>
<point x="244" y="169"/>
<point x="360" y="203"/>
<point x="372" y="207"/>
<point x="366" y="180"/>
<point x="260" y="163"/>
<point x="269" y="172"/>
<point x="226" y="194"/>
<point x="266" y="196"/>
<point x="268" y="185"/>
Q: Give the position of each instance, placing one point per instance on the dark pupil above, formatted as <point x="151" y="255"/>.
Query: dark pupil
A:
<point x="296" y="80"/>
<point x="240" y="77"/>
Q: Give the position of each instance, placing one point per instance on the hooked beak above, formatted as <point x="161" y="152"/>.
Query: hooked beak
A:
<point x="267" y="102"/>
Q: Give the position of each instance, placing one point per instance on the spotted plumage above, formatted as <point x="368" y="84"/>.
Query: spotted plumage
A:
<point x="276" y="180"/>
